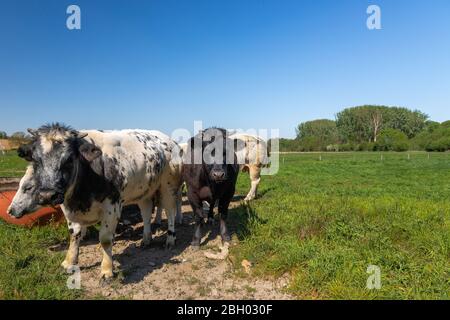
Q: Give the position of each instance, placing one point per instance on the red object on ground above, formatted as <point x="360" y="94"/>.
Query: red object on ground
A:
<point x="38" y="218"/>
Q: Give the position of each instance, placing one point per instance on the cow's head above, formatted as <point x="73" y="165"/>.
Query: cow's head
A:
<point x="218" y="156"/>
<point x="56" y="155"/>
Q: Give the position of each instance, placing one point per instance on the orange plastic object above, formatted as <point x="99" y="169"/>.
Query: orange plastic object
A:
<point x="41" y="217"/>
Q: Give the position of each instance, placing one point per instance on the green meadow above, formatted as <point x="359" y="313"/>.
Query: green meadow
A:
<point x="325" y="218"/>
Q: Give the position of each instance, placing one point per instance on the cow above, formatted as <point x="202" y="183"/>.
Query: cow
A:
<point x="252" y="156"/>
<point x="158" y="209"/>
<point x="210" y="171"/>
<point x="92" y="175"/>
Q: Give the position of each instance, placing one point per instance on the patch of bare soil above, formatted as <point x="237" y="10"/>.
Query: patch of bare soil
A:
<point x="179" y="273"/>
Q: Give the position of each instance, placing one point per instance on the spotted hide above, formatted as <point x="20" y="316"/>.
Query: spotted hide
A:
<point x="93" y="174"/>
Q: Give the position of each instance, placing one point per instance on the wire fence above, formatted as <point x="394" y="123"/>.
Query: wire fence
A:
<point x="355" y="156"/>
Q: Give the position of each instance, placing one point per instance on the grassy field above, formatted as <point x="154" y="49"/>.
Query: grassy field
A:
<point x="323" y="222"/>
<point x="11" y="165"/>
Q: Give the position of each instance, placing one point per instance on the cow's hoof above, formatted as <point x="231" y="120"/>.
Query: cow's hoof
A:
<point x="145" y="244"/>
<point x="195" y="245"/>
<point x="68" y="267"/>
<point x="226" y="239"/>
<point x="170" y="242"/>
<point x="106" y="280"/>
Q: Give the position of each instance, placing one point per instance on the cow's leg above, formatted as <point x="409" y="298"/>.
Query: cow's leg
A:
<point x="158" y="208"/>
<point x="83" y="232"/>
<point x="211" y="212"/>
<point x="111" y="215"/>
<point x="169" y="203"/>
<point x="255" y="178"/>
<point x="158" y="216"/>
<point x="197" y="209"/>
<point x="179" y="217"/>
<point x="76" y="232"/>
<point x="199" y="220"/>
<point x="223" y="211"/>
<point x="146" y="208"/>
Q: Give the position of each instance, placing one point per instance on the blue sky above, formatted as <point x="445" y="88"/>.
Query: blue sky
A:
<point x="161" y="64"/>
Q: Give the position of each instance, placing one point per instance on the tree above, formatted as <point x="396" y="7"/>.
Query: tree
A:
<point x="317" y="134"/>
<point x="405" y="120"/>
<point x="437" y="139"/>
<point x="430" y="126"/>
<point x="18" y="135"/>
<point x="392" y="140"/>
<point x="3" y="135"/>
<point x="445" y="124"/>
<point x="364" y="123"/>
<point x="376" y="117"/>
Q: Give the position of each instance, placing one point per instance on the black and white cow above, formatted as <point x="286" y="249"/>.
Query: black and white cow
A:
<point x="210" y="171"/>
<point x="93" y="174"/>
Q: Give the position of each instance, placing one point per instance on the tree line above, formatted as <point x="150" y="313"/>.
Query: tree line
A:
<point x="371" y="128"/>
<point x="15" y="139"/>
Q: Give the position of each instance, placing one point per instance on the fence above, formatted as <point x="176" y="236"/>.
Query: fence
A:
<point x="379" y="156"/>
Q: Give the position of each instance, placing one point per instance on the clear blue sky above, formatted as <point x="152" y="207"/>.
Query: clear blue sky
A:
<point x="162" y="64"/>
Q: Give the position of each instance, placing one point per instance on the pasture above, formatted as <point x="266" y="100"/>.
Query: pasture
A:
<point x="319" y="223"/>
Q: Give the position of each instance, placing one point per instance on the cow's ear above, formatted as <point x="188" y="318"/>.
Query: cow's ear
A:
<point x="34" y="133"/>
<point x="89" y="152"/>
<point x="25" y="151"/>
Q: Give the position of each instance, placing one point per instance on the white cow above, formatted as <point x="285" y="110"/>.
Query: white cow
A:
<point x="252" y="157"/>
<point x="93" y="174"/>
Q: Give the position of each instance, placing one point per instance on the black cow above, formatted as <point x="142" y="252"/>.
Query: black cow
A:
<point x="210" y="171"/>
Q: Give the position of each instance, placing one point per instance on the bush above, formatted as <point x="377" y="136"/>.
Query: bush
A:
<point x="366" y="146"/>
<point x="441" y="145"/>
<point x="347" y="147"/>
<point x="437" y="140"/>
<point x="392" y="140"/>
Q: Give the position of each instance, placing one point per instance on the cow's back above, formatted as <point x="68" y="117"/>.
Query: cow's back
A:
<point x="253" y="150"/>
<point x="135" y="160"/>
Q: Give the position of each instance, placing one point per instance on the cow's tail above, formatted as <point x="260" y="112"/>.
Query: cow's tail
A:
<point x="266" y="162"/>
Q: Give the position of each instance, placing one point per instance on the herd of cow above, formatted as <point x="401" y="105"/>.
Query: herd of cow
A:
<point x="93" y="174"/>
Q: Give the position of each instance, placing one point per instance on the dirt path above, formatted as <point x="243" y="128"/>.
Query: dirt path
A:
<point x="179" y="273"/>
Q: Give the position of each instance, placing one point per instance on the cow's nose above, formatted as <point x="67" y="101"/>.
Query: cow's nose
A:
<point x="13" y="212"/>
<point x="218" y="174"/>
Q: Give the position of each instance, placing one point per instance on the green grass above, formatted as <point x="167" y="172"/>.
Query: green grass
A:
<point x="11" y="165"/>
<point x="321" y="222"/>
<point x="28" y="270"/>
<point x="324" y="222"/>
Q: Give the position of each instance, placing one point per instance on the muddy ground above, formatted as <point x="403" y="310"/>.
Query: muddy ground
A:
<point x="179" y="273"/>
